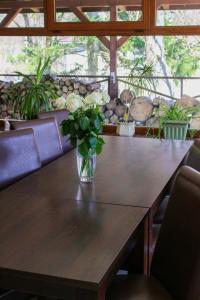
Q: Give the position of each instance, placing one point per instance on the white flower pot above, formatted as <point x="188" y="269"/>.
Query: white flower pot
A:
<point x="126" y="129"/>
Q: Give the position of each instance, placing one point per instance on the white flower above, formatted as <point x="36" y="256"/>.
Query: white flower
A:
<point x="92" y="99"/>
<point x="105" y="98"/>
<point x="60" y="102"/>
<point x="74" y="102"/>
<point x="96" y="98"/>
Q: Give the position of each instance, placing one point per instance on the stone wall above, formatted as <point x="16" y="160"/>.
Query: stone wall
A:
<point x="143" y="110"/>
<point x="146" y="111"/>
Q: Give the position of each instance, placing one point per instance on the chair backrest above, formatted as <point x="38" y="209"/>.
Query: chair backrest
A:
<point x="46" y="136"/>
<point x="176" y="261"/>
<point x="193" y="158"/>
<point x="59" y="116"/>
<point x="18" y="156"/>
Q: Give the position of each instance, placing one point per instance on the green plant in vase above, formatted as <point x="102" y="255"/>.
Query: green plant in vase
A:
<point x="84" y="126"/>
<point x="37" y="94"/>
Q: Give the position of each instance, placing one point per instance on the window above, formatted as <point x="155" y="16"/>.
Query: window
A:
<point x="104" y="16"/>
<point x="98" y="12"/>
<point x="177" y="13"/>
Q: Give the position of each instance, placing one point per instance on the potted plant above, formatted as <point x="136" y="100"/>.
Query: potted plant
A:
<point x="84" y="126"/>
<point x="37" y="94"/>
<point x="126" y="127"/>
<point x="175" y="121"/>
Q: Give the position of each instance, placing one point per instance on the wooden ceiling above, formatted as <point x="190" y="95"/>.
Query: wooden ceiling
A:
<point x="98" y="5"/>
<point x="147" y="26"/>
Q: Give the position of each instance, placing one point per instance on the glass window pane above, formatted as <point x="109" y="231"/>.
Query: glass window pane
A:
<point x="130" y="13"/>
<point x="21" y="14"/>
<point x="72" y="55"/>
<point x="174" y="13"/>
<point x="95" y="11"/>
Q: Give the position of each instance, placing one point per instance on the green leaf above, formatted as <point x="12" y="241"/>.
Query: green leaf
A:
<point x="93" y="133"/>
<point x="93" y="141"/>
<point x="83" y="149"/>
<point x="97" y="123"/>
<point x="84" y="123"/>
<point x="102" y="116"/>
<point x="70" y="117"/>
<point x="98" y="148"/>
<point x="101" y="141"/>
<point x="65" y="128"/>
<point x="76" y="126"/>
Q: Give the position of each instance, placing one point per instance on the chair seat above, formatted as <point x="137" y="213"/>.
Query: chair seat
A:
<point x="137" y="287"/>
<point x="159" y="216"/>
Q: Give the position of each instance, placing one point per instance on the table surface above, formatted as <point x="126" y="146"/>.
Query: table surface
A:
<point x="130" y="171"/>
<point x="46" y="231"/>
<point x="65" y="239"/>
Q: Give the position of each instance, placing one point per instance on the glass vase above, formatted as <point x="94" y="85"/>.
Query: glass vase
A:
<point x="86" y="166"/>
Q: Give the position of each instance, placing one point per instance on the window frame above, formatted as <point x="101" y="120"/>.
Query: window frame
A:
<point x="97" y="28"/>
<point x="27" y="31"/>
<point x="169" y="30"/>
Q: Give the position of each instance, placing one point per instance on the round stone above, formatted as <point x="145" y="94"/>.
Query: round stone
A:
<point x="127" y="96"/>
<point x="141" y="109"/>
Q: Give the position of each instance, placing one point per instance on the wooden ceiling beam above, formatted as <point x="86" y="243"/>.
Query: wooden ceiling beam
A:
<point x="177" y="2"/>
<point x="98" y="4"/>
<point x="21" y="4"/>
<point x="91" y="3"/>
<point x="9" y="17"/>
<point x="101" y="9"/>
<point x="122" y="40"/>
<point x="82" y="17"/>
<point x="66" y="3"/>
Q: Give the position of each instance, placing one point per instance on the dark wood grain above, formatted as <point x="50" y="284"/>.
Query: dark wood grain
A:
<point x="53" y="245"/>
<point x="72" y="243"/>
<point x="130" y="171"/>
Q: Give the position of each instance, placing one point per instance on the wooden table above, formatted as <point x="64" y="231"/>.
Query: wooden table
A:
<point x="64" y="248"/>
<point x="57" y="233"/>
<point x="130" y="171"/>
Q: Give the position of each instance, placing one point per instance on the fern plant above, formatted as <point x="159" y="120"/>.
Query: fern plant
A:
<point x="37" y="94"/>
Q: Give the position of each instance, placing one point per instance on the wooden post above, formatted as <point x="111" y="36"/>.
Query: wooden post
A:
<point x="113" y="82"/>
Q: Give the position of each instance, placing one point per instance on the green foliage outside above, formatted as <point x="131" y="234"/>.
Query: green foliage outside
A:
<point x="180" y="55"/>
